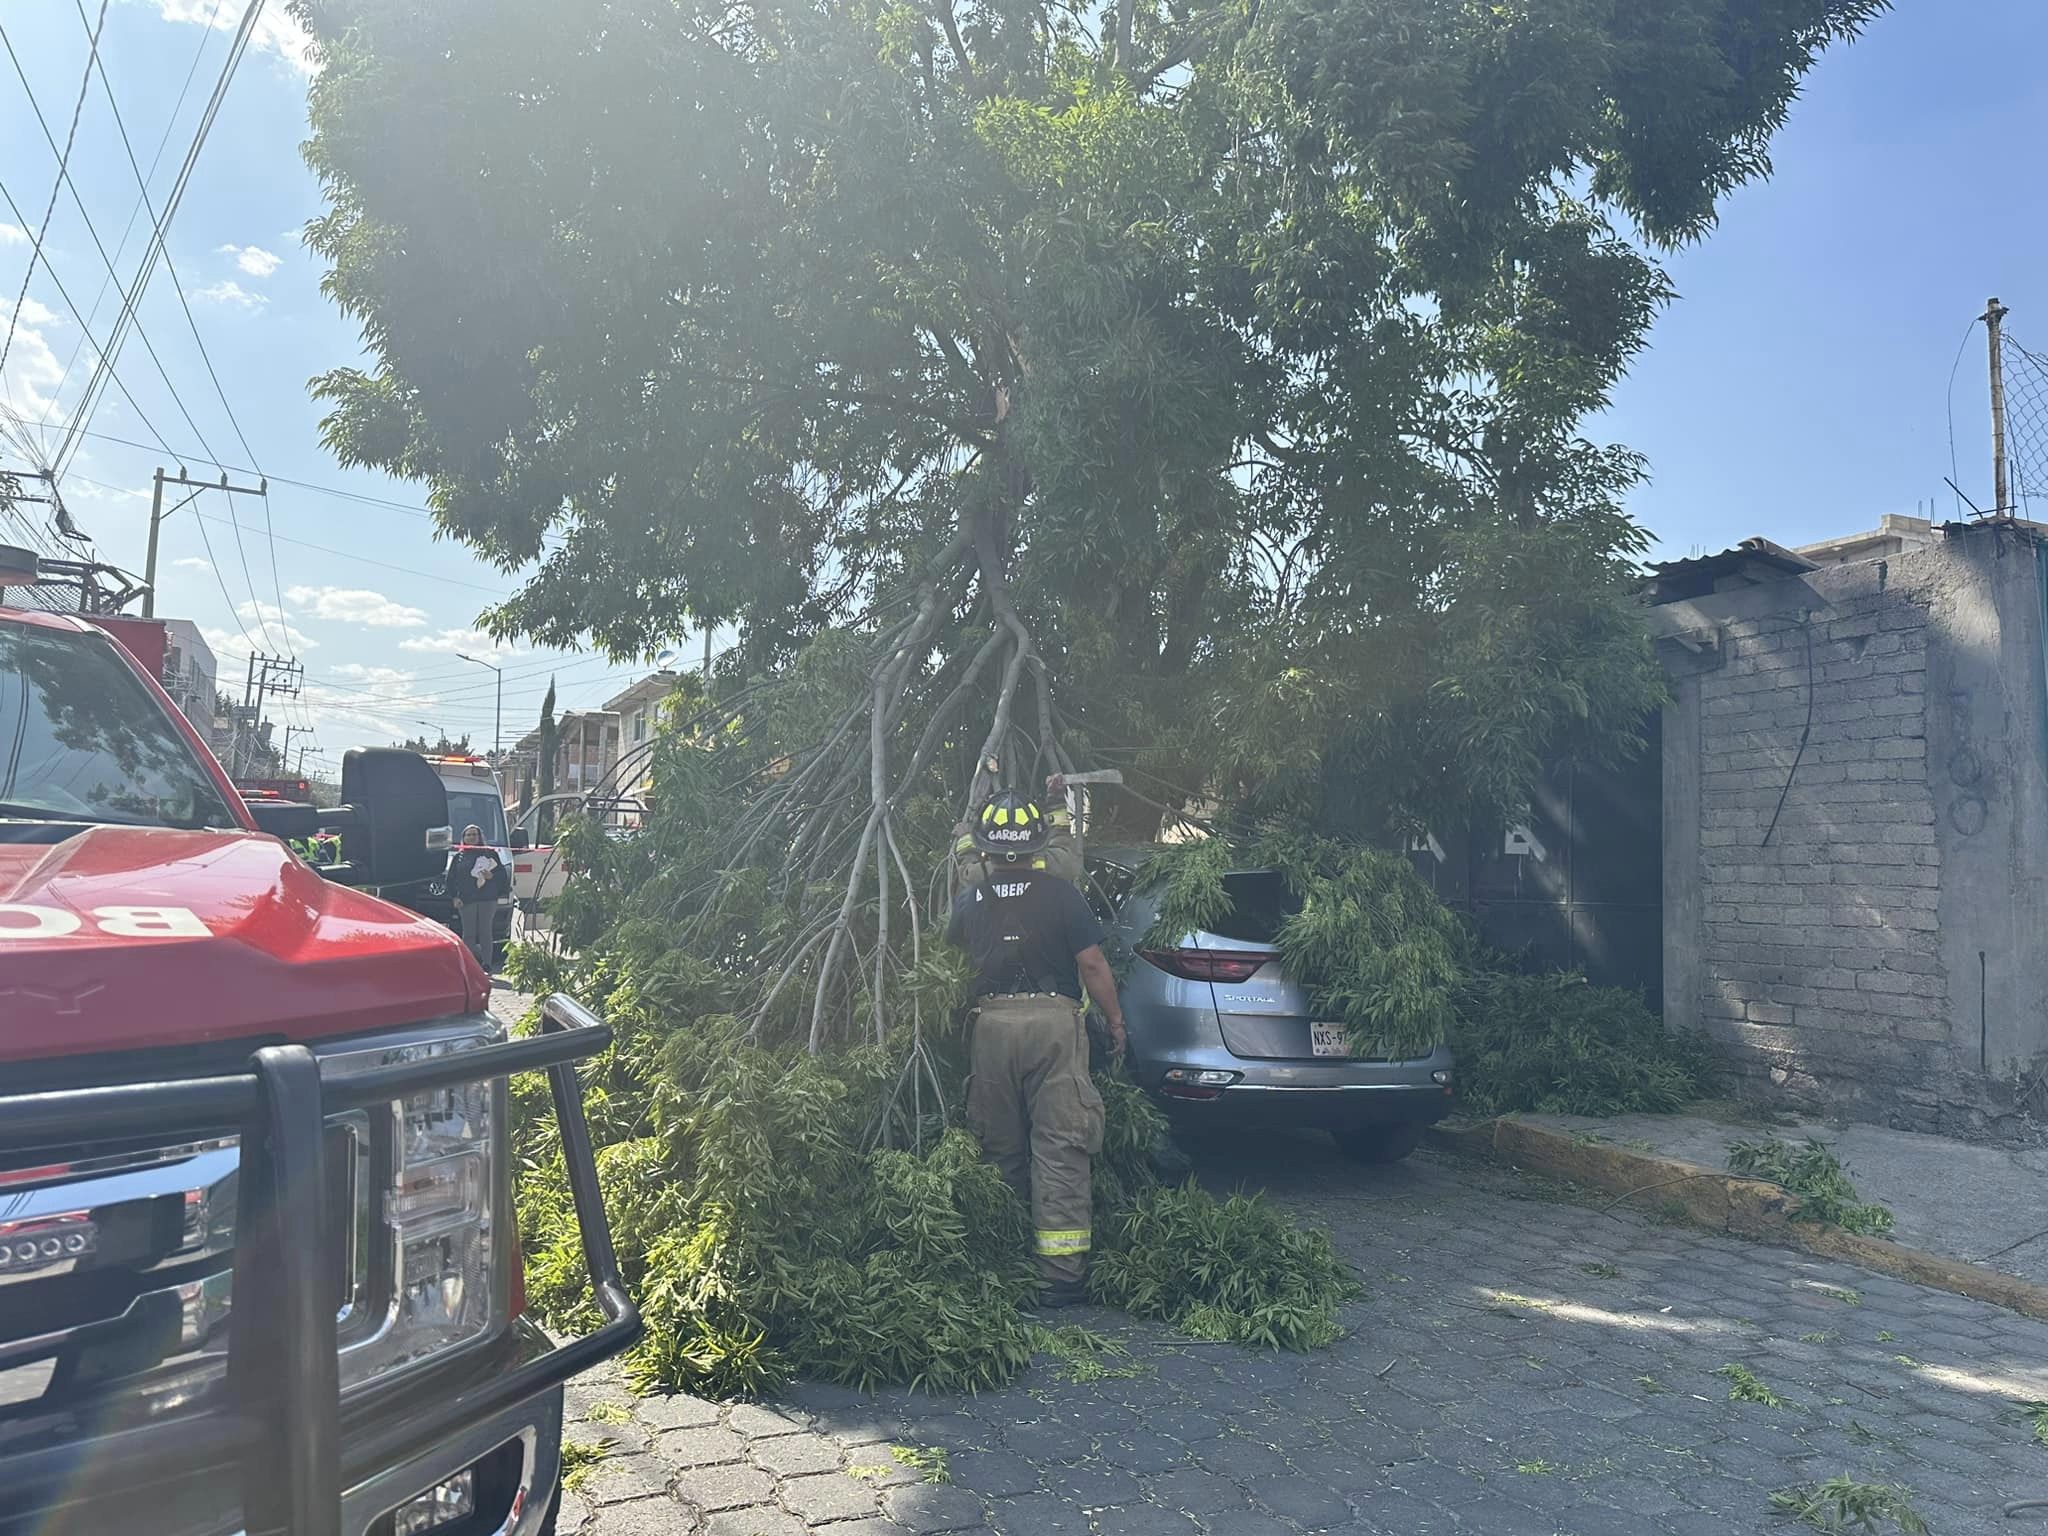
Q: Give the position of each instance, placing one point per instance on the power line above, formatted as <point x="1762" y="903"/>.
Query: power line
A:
<point x="383" y="565"/>
<point x="66" y="181"/>
<point x="410" y="508"/>
<point x="63" y="161"/>
<point x="95" y="387"/>
<point x="64" y="294"/>
<point x="1955" y="474"/>
<point x="178" y="287"/>
<point x="121" y="246"/>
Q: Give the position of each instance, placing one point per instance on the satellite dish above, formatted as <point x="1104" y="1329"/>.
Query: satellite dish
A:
<point x="666" y="657"/>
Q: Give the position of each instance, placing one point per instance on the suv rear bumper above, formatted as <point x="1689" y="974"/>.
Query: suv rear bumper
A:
<point x="275" y="1449"/>
<point x="1331" y="1095"/>
<point x="1255" y="1106"/>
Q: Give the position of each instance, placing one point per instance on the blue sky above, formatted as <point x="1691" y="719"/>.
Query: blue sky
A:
<point x="1798" y="388"/>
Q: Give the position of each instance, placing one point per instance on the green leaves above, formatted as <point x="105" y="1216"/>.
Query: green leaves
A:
<point x="1233" y="1271"/>
<point x="1813" y="1172"/>
<point x="1376" y="949"/>
<point x="1369" y="941"/>
<point x="1264" y="343"/>
<point x="1557" y="1045"/>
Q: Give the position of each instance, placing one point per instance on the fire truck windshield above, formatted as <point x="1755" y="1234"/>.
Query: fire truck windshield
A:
<point x="81" y="740"/>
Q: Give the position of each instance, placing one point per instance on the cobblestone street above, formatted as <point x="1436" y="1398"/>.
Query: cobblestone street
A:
<point x="1520" y="1366"/>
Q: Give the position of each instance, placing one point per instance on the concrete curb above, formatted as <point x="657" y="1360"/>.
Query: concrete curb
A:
<point x="1724" y="1202"/>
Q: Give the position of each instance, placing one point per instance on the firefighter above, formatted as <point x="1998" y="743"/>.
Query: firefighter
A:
<point x="477" y="878"/>
<point x="1035" y="945"/>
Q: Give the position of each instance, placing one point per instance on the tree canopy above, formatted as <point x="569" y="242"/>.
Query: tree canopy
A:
<point x="1227" y="363"/>
<point x="444" y="747"/>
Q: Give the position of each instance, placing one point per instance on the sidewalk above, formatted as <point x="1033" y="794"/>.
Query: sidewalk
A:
<point x="1984" y="1205"/>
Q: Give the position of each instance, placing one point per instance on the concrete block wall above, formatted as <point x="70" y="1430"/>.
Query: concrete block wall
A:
<point x="1850" y="872"/>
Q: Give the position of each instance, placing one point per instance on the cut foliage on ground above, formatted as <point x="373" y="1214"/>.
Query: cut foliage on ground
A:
<point x="1813" y="1172"/>
<point x="1744" y="1387"/>
<point x="770" y="1232"/>
<point x="1842" y="1505"/>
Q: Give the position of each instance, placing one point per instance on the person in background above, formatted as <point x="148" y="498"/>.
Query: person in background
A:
<point x="477" y="879"/>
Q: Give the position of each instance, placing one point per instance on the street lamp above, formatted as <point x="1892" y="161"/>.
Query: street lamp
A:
<point x="498" y="730"/>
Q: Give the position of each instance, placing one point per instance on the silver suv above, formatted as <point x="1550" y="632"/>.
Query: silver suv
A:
<point x="1221" y="1036"/>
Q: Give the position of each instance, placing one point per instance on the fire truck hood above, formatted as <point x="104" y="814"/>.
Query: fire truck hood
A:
<point x="126" y="938"/>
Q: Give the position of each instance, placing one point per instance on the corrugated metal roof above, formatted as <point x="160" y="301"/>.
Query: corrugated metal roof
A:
<point x="1698" y="575"/>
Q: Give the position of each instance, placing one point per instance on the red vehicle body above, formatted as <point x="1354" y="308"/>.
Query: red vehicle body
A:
<point x="179" y="1003"/>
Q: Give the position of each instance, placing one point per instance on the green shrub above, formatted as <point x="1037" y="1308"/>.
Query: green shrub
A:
<point x="1557" y="1045"/>
<point x="1813" y="1173"/>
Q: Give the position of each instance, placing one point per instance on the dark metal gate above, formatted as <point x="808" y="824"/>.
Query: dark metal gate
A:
<point x="1581" y="886"/>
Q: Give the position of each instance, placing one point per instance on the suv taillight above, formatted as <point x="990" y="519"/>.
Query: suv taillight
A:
<point x="1208" y="964"/>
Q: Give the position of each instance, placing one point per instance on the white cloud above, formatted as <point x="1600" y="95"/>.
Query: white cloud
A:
<point x="265" y="625"/>
<point x="474" y="641"/>
<point x="228" y="291"/>
<point x="365" y="705"/>
<point x="275" y="32"/>
<point x="193" y="563"/>
<point x="252" y="259"/>
<point x="33" y="371"/>
<point x="356" y="605"/>
<point x="35" y="312"/>
<point x="12" y="234"/>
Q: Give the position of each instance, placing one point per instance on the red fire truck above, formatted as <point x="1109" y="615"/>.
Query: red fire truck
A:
<point x="258" y="1265"/>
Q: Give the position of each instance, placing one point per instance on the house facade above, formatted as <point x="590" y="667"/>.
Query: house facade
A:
<point x="639" y="710"/>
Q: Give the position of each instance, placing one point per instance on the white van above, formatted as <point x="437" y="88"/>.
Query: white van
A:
<point x="538" y="872"/>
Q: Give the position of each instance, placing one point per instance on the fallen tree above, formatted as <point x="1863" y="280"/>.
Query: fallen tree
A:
<point x="1194" y="388"/>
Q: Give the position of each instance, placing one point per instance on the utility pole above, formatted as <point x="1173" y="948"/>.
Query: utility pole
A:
<point x="157" y="514"/>
<point x="498" y="729"/>
<point x="1994" y="317"/>
<point x="267" y="674"/>
<point x="302" y="758"/>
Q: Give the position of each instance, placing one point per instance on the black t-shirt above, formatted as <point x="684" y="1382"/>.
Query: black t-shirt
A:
<point x="1023" y="933"/>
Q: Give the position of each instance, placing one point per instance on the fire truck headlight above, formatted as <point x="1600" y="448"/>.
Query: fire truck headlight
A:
<point x="432" y="1274"/>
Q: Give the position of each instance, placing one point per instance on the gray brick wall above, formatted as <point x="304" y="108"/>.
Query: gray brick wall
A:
<point x="1877" y="953"/>
<point x="1820" y="970"/>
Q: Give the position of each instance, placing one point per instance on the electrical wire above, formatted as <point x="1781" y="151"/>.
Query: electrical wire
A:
<point x="64" y="294"/>
<point x="66" y="181"/>
<point x="121" y="246"/>
<point x="178" y="287"/>
<point x="1805" y="732"/>
<point x="95" y="388"/>
<point x="1955" y="474"/>
<point x="63" y="162"/>
<point x="318" y="488"/>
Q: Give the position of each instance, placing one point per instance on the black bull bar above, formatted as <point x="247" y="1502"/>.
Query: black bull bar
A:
<point x="282" y="1410"/>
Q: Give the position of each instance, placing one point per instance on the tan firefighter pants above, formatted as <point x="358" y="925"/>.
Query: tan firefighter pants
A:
<point x="1039" y="1118"/>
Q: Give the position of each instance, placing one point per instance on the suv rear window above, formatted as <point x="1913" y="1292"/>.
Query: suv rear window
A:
<point x="1259" y="903"/>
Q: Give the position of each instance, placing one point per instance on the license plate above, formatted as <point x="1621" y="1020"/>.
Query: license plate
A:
<point x="1329" y="1040"/>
